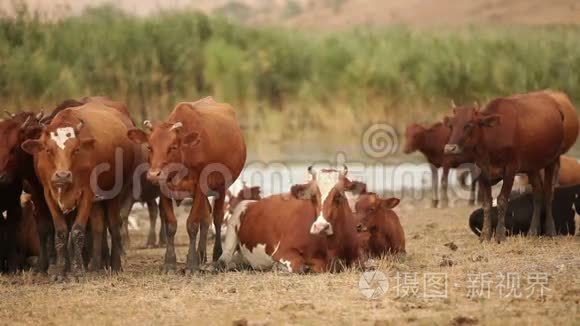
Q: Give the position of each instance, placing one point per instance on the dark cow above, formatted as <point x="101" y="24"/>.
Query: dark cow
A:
<point x="15" y="169"/>
<point x="510" y="135"/>
<point x="202" y="142"/>
<point x="84" y="155"/>
<point x="379" y="227"/>
<point x="310" y="229"/>
<point x="430" y="141"/>
<point x="521" y="208"/>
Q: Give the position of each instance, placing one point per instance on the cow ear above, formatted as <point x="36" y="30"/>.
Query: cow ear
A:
<point x="489" y="121"/>
<point x="191" y="139"/>
<point x="32" y="146"/>
<point x="357" y="187"/>
<point x="255" y="191"/>
<point x="301" y="191"/>
<point x="88" y="143"/>
<point x="137" y="136"/>
<point x="390" y="203"/>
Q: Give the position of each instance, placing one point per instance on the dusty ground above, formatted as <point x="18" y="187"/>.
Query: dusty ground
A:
<point x="141" y="295"/>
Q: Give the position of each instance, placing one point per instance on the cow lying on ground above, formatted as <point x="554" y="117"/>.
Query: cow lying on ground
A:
<point x="246" y="193"/>
<point x="520" y="209"/>
<point x="430" y="141"/>
<point x="526" y="133"/>
<point x="380" y="231"/>
<point x="310" y="229"/>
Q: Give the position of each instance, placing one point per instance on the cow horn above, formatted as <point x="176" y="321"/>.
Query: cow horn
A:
<point x="453" y="104"/>
<point x="26" y="122"/>
<point x="79" y="125"/>
<point x="344" y="169"/>
<point x="9" y="114"/>
<point x="476" y="104"/>
<point x="147" y="124"/>
<point x="40" y="115"/>
<point x="312" y="172"/>
<point x="177" y="125"/>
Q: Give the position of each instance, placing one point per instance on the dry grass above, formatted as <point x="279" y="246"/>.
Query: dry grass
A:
<point x="140" y="295"/>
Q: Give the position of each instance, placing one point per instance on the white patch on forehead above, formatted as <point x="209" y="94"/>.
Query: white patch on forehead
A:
<point x="61" y="135"/>
<point x="257" y="257"/>
<point x="326" y="181"/>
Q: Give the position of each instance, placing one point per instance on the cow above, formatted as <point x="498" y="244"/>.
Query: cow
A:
<point x="568" y="174"/>
<point x="246" y="193"/>
<point x="520" y="210"/>
<point x="83" y="156"/>
<point x="310" y="229"/>
<point x="430" y="141"/>
<point x="198" y="151"/>
<point x="510" y="135"/>
<point x="379" y="227"/>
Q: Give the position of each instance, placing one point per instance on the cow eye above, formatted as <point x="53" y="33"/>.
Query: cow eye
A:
<point x="173" y="147"/>
<point x="49" y="152"/>
<point x="76" y="151"/>
<point x="468" y="126"/>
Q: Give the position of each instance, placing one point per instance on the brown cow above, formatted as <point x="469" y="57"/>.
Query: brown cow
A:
<point x="202" y="141"/>
<point x="84" y="155"/>
<point x="309" y="229"/>
<point x="510" y="135"/>
<point x="430" y="141"/>
<point x="379" y="225"/>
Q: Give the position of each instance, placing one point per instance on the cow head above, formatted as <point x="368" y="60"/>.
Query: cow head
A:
<point x="326" y="189"/>
<point x="165" y="143"/>
<point x="13" y="132"/>
<point x="467" y="125"/>
<point x="59" y="153"/>
<point x="369" y="207"/>
<point x="413" y="137"/>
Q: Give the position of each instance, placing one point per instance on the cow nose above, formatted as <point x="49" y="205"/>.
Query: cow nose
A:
<point x="62" y="178"/>
<point x="360" y="228"/>
<point x="452" y="149"/>
<point x="154" y="175"/>
<point x="321" y="226"/>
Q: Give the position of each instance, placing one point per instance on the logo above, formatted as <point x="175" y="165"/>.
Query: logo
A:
<point x="373" y="284"/>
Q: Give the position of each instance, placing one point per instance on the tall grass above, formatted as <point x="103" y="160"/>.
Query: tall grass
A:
<point x="275" y="75"/>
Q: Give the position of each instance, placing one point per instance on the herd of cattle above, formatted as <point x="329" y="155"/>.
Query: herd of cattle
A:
<point x="69" y="179"/>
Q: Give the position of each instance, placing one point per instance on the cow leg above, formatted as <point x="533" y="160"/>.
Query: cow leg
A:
<point x="170" y="263"/>
<point x="218" y="216"/>
<point x="472" y="192"/>
<point x="192" y="263"/>
<point x="550" y="177"/>
<point x="290" y="261"/>
<point x="78" y="233"/>
<point x="502" y="205"/>
<point x="197" y="217"/>
<point x="113" y="208"/>
<point x="126" y="206"/>
<point x="60" y="240"/>
<point x="434" y="186"/>
<point x="485" y="187"/>
<point x="536" y="182"/>
<point x="97" y="228"/>
<point x="444" y="183"/>
<point x="45" y="230"/>
<point x="15" y="255"/>
<point x="162" y="232"/>
<point x="153" y="212"/>
<point x="203" y="230"/>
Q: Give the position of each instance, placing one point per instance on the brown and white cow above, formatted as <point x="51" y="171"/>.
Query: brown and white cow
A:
<point x="202" y="142"/>
<point x="518" y="134"/>
<point x="380" y="230"/>
<point x="430" y="141"/>
<point x="84" y="155"/>
<point x="309" y="229"/>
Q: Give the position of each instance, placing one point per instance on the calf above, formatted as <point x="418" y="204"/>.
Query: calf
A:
<point x="430" y="141"/>
<point x="522" y="134"/>
<point x="379" y="227"/>
<point x="310" y="229"/>
<point x="521" y="207"/>
<point x="84" y="155"/>
<point x="198" y="151"/>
